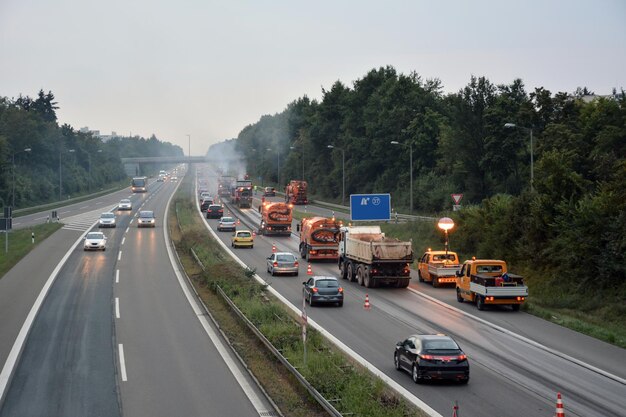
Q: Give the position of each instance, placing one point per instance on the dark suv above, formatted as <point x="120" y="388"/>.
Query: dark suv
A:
<point x="214" y="211"/>
<point x="205" y="203"/>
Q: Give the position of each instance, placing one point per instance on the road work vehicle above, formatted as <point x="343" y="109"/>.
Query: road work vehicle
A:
<point x="296" y="192"/>
<point x="438" y="267"/>
<point x="275" y="218"/>
<point x="487" y="281"/>
<point x="319" y="238"/>
<point x="367" y="256"/>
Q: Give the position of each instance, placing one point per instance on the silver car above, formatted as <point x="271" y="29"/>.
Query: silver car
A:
<point x="282" y="263"/>
<point x="107" y="220"/>
<point x="146" y="219"/>
<point x="227" y="224"/>
<point x="125" y="204"/>
<point x="95" y="241"/>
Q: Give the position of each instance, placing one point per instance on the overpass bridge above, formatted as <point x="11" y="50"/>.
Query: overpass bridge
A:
<point x="131" y="165"/>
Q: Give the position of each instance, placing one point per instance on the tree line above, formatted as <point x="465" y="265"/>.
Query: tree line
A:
<point x="567" y="226"/>
<point x="35" y="153"/>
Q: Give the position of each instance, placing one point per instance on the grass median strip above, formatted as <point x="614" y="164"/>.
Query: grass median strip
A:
<point x="20" y="243"/>
<point x="349" y="387"/>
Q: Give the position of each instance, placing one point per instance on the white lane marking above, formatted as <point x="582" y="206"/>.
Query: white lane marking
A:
<point x="117" y="276"/>
<point x="63" y="212"/>
<point x="119" y="256"/>
<point x="523" y="339"/>
<point x="122" y="363"/>
<point x="127" y="229"/>
<point x="40" y="218"/>
<point x="255" y="400"/>
<point x="83" y="207"/>
<point x="383" y="376"/>
<point x="18" y="345"/>
<point x="123" y="240"/>
<point x="117" y="307"/>
<point x="15" y="224"/>
<point x="131" y="222"/>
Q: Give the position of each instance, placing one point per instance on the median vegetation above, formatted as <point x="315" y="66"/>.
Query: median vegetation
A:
<point x="20" y="243"/>
<point x="349" y="387"/>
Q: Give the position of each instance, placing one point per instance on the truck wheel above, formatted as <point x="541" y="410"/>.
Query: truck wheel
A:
<point x="419" y="276"/>
<point x="458" y="296"/>
<point x="435" y="282"/>
<point x="350" y="268"/>
<point x="302" y="251"/>
<point x="480" y="302"/>
<point x="359" y="276"/>
<point x="366" y="278"/>
<point x="342" y="270"/>
<point x="516" y="307"/>
<point x="404" y="282"/>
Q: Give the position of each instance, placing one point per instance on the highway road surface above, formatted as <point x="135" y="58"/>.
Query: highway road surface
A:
<point x="118" y="332"/>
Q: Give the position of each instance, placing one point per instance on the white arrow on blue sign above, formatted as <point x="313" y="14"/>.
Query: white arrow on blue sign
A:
<point x="370" y="207"/>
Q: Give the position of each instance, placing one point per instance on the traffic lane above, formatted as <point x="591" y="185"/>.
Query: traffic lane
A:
<point x="309" y="209"/>
<point x="67" y="367"/>
<point x="604" y="356"/>
<point x="540" y="372"/>
<point x="102" y="202"/>
<point x="172" y="366"/>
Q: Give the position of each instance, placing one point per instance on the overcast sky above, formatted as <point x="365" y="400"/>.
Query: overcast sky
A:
<point x="209" y="68"/>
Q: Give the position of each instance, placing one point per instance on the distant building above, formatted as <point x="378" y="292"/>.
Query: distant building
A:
<point x="96" y="133"/>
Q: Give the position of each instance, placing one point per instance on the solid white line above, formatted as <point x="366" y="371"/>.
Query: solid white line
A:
<point x="119" y="255"/>
<point x="16" y="223"/>
<point x="63" y="212"/>
<point x="122" y="363"/>
<point x="215" y="338"/>
<point x="117" y="307"/>
<point x="117" y="276"/>
<point x="123" y="240"/>
<point x="18" y="345"/>
<point x="40" y="218"/>
<point x="84" y="207"/>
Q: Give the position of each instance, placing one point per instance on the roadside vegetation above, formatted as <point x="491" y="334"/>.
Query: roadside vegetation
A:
<point x="351" y="388"/>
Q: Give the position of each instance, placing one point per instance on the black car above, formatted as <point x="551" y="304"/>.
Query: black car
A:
<point x="323" y="290"/>
<point x="214" y="211"/>
<point x="205" y="203"/>
<point x="429" y="357"/>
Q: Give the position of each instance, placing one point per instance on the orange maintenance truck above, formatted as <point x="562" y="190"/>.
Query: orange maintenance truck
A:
<point x="319" y="238"/>
<point x="296" y="192"/>
<point x="275" y="218"/>
<point x="438" y="267"/>
<point x="487" y="281"/>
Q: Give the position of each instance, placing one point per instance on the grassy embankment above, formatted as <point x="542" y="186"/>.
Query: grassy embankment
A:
<point x="20" y="244"/>
<point x="351" y="388"/>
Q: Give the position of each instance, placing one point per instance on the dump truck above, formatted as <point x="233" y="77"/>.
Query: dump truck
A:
<point x="275" y="218"/>
<point x="367" y="256"/>
<point x="487" y="281"/>
<point x="241" y="195"/>
<point x="296" y="192"/>
<point x="319" y="238"/>
<point x="438" y="267"/>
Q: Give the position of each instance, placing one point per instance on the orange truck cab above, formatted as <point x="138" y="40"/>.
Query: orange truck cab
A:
<point x="319" y="238"/>
<point x="438" y="267"/>
<point x="487" y="281"/>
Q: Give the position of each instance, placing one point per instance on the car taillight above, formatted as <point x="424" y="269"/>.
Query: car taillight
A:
<point x="340" y="289"/>
<point x="314" y="289"/>
<point x="461" y="357"/>
<point x="295" y="263"/>
<point x="275" y="263"/>
<point x="427" y="357"/>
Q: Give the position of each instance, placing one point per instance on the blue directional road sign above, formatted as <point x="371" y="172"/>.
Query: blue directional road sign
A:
<point x="374" y="207"/>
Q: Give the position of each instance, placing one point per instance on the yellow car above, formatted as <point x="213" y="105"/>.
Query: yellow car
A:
<point x="242" y="238"/>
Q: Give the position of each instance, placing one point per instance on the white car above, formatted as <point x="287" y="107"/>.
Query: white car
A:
<point x="95" y="241"/>
<point x="107" y="220"/>
<point x="125" y="204"/>
<point x="146" y="219"/>
<point x="227" y="224"/>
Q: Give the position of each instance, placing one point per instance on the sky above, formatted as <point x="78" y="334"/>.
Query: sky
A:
<point x="209" y="68"/>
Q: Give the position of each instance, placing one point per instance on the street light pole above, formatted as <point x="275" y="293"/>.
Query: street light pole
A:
<point x="532" y="162"/>
<point x="343" y="172"/>
<point x="189" y="145"/>
<point x="410" y="145"/>
<point x="13" y="169"/>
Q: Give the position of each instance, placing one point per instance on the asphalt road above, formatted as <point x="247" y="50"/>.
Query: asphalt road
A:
<point x="116" y="335"/>
<point x="511" y="373"/>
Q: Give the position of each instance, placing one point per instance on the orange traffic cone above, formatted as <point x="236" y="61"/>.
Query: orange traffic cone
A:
<point x="560" y="412"/>
<point x="309" y="271"/>
<point x="273" y="247"/>
<point x="238" y="222"/>
<point x="253" y="233"/>
<point x="367" y="305"/>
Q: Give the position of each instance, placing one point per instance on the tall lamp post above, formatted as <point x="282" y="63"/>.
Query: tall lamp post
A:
<point x="189" y="145"/>
<point x="343" y="172"/>
<point x="61" y="174"/>
<point x="89" y="159"/>
<point x="445" y="224"/>
<point x="13" y="168"/>
<point x="302" y="156"/>
<point x="410" y="145"/>
<point x="532" y="168"/>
